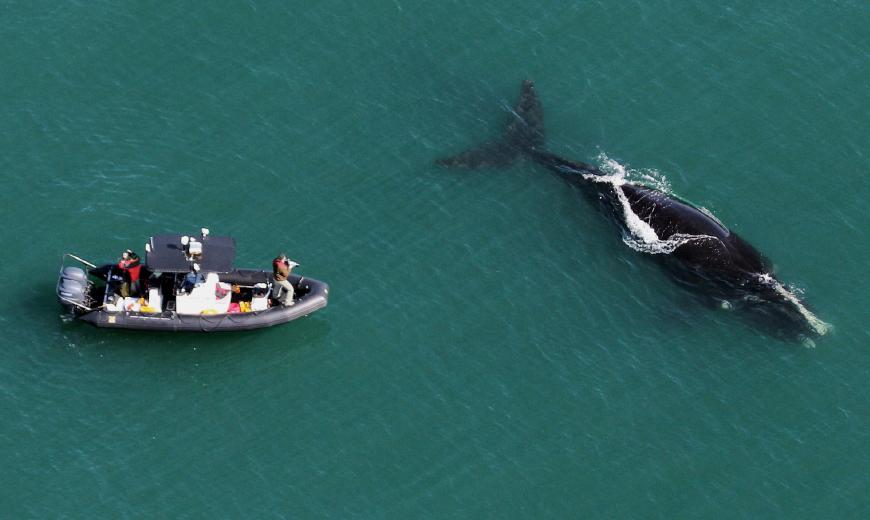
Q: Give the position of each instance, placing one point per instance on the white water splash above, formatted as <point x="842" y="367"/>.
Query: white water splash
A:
<point x="639" y="229"/>
<point x="664" y="247"/>
<point x="645" y="176"/>
<point x="642" y="237"/>
<point x="819" y="327"/>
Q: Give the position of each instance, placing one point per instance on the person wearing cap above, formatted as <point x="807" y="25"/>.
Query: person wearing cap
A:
<point x="130" y="267"/>
<point x="281" y="267"/>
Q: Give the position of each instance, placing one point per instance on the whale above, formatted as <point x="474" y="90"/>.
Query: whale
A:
<point x="695" y="247"/>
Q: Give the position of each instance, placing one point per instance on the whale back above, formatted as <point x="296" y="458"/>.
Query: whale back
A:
<point x="668" y="216"/>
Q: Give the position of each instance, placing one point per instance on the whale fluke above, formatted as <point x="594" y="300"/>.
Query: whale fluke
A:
<point x="494" y="154"/>
<point x="523" y="133"/>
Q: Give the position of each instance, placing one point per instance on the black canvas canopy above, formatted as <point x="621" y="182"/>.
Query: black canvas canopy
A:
<point x="167" y="254"/>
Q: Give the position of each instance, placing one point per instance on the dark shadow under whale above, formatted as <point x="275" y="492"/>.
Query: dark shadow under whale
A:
<point x="692" y="244"/>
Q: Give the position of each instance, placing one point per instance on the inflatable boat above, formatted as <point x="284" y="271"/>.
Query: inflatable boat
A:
<point x="185" y="284"/>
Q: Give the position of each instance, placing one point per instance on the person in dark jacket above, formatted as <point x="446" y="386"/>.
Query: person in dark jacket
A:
<point x="281" y="267"/>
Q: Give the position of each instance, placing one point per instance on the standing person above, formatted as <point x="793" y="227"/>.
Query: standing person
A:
<point x="131" y="268"/>
<point x="281" y="267"/>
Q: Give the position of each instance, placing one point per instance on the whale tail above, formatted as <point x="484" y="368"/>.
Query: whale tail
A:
<point x="523" y="134"/>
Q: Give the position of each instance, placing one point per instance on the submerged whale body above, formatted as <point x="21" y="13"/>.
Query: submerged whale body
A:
<point x="695" y="247"/>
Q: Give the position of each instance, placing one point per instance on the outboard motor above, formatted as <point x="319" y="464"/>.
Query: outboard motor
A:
<point x="74" y="273"/>
<point x="72" y="288"/>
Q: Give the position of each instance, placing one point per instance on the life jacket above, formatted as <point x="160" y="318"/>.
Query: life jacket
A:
<point x="132" y="267"/>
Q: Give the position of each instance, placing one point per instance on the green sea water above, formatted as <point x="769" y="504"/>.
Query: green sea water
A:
<point x="492" y="348"/>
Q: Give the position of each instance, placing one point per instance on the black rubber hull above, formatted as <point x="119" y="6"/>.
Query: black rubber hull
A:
<point x="315" y="298"/>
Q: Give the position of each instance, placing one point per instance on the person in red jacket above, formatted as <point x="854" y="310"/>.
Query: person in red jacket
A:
<point x="281" y="267"/>
<point x="131" y="268"/>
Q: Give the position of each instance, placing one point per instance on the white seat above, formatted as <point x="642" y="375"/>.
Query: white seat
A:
<point x="202" y="299"/>
<point x="155" y="298"/>
<point x="260" y="303"/>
